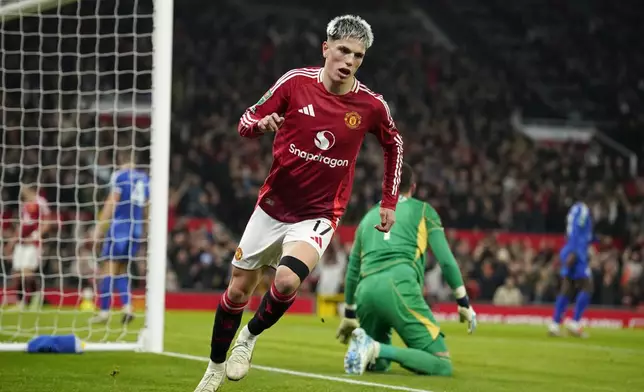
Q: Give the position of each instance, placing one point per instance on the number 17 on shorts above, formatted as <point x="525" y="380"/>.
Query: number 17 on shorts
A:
<point x="317" y="232"/>
<point x="263" y="239"/>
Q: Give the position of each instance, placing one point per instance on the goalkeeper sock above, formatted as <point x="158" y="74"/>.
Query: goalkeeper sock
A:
<point x="417" y="361"/>
<point x="120" y="284"/>
<point x="106" y="293"/>
<point x="581" y="303"/>
<point x="561" y="303"/>
<point x="273" y="306"/>
<point x="227" y="320"/>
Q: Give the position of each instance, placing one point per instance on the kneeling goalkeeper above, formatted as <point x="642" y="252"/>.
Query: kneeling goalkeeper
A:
<point x="384" y="290"/>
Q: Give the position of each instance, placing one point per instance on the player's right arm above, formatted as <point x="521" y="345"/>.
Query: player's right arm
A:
<point x="267" y="115"/>
<point x="451" y="272"/>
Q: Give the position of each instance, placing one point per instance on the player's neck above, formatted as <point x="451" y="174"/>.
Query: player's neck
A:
<point x="337" y="88"/>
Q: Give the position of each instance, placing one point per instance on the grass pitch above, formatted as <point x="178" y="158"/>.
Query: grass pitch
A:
<point x="496" y="358"/>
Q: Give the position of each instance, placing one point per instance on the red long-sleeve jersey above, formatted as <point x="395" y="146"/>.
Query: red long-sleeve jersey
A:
<point x="32" y="215"/>
<point x="315" y="150"/>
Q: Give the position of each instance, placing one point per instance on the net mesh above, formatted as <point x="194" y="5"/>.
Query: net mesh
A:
<point x="76" y="86"/>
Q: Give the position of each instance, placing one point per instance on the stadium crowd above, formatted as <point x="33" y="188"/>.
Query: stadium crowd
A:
<point x="582" y="56"/>
<point x="455" y="116"/>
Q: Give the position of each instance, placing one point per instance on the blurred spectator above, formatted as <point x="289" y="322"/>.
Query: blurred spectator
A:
<point x="328" y="276"/>
<point x="436" y="289"/>
<point x="508" y="294"/>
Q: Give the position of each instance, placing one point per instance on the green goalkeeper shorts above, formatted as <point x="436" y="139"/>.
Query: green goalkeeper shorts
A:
<point x="393" y="300"/>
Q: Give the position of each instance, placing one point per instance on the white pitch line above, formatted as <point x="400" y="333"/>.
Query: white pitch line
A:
<point x="307" y="375"/>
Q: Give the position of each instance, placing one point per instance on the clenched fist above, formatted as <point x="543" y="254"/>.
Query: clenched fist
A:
<point x="270" y="123"/>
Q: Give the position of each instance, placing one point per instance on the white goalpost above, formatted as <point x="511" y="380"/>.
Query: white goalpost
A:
<point x="80" y="83"/>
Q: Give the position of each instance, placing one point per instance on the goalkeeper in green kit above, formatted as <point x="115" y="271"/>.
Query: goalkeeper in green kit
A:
<point x="384" y="290"/>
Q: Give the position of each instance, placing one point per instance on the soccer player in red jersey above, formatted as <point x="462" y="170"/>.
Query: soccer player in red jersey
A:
<point x="33" y="224"/>
<point x="320" y="117"/>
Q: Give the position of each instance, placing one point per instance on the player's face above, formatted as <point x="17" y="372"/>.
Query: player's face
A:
<point x="343" y="57"/>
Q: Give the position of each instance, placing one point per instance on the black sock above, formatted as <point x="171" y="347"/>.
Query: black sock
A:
<point x="32" y="285"/>
<point x="227" y="320"/>
<point x="272" y="308"/>
<point x="19" y="293"/>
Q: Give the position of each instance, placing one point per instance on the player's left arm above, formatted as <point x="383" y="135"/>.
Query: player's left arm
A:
<point x="392" y="147"/>
<point x="437" y="242"/>
<point x="349" y="321"/>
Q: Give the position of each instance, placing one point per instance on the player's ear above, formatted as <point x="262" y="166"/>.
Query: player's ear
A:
<point x="325" y="49"/>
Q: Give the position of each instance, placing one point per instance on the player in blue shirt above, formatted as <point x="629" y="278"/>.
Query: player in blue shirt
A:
<point x="575" y="269"/>
<point x="125" y="212"/>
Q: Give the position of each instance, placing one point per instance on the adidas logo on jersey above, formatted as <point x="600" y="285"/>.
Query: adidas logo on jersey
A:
<point x="308" y="110"/>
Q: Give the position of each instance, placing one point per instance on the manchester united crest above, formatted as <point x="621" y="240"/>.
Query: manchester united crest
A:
<point x="239" y="254"/>
<point x="352" y="119"/>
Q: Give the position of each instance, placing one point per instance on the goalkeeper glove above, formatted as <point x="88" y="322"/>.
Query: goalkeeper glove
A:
<point x="465" y="310"/>
<point x="348" y="324"/>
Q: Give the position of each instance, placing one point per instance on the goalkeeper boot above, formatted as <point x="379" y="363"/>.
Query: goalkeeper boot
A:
<point x="241" y="355"/>
<point x="213" y="378"/>
<point x="362" y="352"/>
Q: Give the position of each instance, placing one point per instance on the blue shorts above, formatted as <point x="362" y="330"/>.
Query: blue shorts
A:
<point x="121" y="249"/>
<point x="580" y="268"/>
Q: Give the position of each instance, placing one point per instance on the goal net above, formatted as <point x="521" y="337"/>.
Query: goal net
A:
<point x="76" y="92"/>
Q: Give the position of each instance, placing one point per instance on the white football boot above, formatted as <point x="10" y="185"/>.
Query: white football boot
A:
<point x="213" y="378"/>
<point x="241" y="355"/>
<point x="554" y="329"/>
<point x="362" y="352"/>
<point x="101" y="318"/>
<point x="575" y="329"/>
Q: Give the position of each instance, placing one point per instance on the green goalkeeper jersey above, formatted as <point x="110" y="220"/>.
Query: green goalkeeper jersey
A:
<point x="417" y="227"/>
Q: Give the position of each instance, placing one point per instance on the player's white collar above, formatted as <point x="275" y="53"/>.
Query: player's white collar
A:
<point x="356" y="83"/>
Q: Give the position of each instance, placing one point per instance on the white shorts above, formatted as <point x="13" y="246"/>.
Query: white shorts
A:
<point x="262" y="241"/>
<point x="26" y="257"/>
